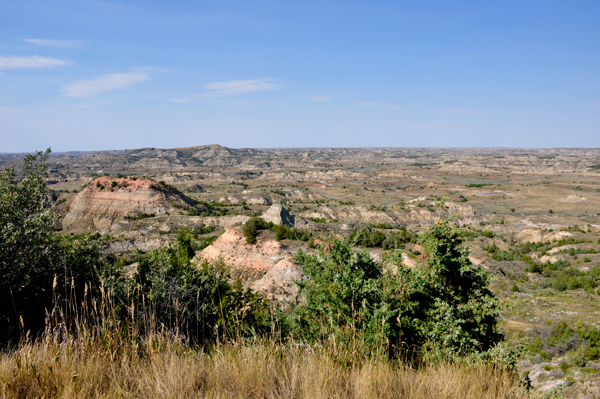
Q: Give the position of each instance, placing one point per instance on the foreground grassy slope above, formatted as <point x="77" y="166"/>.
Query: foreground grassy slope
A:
<point x="162" y="367"/>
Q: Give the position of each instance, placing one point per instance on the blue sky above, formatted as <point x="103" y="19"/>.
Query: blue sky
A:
<point x="96" y="75"/>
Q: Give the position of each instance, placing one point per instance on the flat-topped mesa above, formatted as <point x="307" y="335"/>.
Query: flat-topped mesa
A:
<point x="107" y="199"/>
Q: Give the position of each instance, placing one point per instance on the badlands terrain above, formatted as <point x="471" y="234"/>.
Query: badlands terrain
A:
<point x="530" y="217"/>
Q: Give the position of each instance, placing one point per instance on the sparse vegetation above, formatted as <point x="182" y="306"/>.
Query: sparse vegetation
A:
<point x="140" y="216"/>
<point x="374" y="238"/>
<point x="255" y="224"/>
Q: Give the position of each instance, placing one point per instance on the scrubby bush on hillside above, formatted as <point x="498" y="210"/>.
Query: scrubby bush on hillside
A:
<point x="572" y="279"/>
<point x="580" y="343"/>
<point x="255" y="224"/>
<point x="444" y="306"/>
<point x="140" y="217"/>
<point x="377" y="239"/>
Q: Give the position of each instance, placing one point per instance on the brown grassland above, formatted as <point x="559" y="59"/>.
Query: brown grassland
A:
<point x="161" y="367"/>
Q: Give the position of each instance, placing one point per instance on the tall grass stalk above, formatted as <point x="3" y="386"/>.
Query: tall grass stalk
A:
<point x="87" y="351"/>
<point x="165" y="367"/>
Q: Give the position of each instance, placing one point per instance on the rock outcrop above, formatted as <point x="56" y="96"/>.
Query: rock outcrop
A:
<point x="279" y="283"/>
<point x="572" y="198"/>
<point x="535" y="235"/>
<point x="107" y="199"/>
<point x="277" y="214"/>
<point x="245" y="260"/>
<point x="195" y="188"/>
<point x="266" y="258"/>
<point x="411" y="214"/>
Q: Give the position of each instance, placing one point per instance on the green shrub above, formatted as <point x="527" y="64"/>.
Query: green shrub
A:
<point x="578" y="356"/>
<point x="251" y="228"/>
<point x="572" y="279"/>
<point x="35" y="263"/>
<point x="463" y="311"/>
<point x="197" y="300"/>
<point x="581" y="344"/>
<point x="376" y="239"/>
<point x="253" y="225"/>
<point x="444" y="307"/>
<point x="140" y="217"/>
<point x="345" y="300"/>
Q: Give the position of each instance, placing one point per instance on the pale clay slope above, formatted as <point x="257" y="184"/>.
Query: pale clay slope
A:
<point x="245" y="259"/>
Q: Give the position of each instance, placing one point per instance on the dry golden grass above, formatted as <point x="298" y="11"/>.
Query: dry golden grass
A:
<point x="165" y="368"/>
<point x="110" y="358"/>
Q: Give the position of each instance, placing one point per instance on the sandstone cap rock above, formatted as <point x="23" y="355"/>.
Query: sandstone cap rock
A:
<point x="277" y="214"/>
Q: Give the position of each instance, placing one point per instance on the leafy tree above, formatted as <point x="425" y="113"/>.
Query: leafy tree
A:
<point x="344" y="299"/>
<point x="37" y="267"/>
<point x="461" y="311"/>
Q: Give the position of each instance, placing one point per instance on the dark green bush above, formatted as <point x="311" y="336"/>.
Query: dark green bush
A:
<point x="581" y="344"/>
<point x="253" y="225"/>
<point x="197" y="300"/>
<point x="444" y="306"/>
<point x="370" y="238"/>
<point x="140" y="217"/>
<point x="37" y="267"/>
<point x="573" y="279"/>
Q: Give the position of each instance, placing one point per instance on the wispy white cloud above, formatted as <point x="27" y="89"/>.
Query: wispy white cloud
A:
<point x="459" y="111"/>
<point x="179" y="100"/>
<point x="54" y="43"/>
<point x="234" y="87"/>
<point x="368" y="104"/>
<point x="29" y="61"/>
<point x="113" y="81"/>
<point x="320" y="98"/>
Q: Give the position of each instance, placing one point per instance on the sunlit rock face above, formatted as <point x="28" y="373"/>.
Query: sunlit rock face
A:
<point x="107" y="199"/>
<point x="246" y="260"/>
